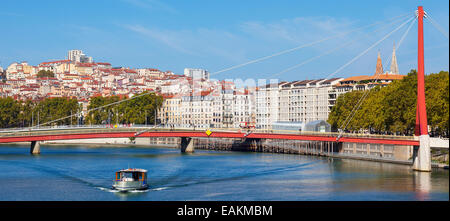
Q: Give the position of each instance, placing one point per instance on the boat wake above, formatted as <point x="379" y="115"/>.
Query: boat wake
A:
<point x="111" y="190"/>
<point x="185" y="183"/>
<point x="160" y="188"/>
<point x="108" y="189"/>
<point x="246" y="175"/>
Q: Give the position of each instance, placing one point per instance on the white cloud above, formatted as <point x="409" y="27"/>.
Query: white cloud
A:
<point x="200" y="42"/>
<point x="172" y="39"/>
<point x="253" y="40"/>
<point x="248" y="37"/>
<point x="297" y="30"/>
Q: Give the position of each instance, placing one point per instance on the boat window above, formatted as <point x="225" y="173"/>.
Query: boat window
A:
<point x="135" y="176"/>
<point x="127" y="175"/>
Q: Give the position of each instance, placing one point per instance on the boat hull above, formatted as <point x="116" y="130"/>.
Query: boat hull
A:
<point x="129" y="185"/>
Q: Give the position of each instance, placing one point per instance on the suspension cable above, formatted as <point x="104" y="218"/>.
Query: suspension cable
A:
<point x="241" y="65"/>
<point x="436" y="25"/>
<point x="362" y="98"/>
<point x="364" y="52"/>
<point x="329" y="51"/>
<point x="302" y="46"/>
<point x="355" y="108"/>
<point x="400" y="42"/>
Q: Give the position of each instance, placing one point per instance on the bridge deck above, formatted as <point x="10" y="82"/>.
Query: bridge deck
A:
<point x="121" y="132"/>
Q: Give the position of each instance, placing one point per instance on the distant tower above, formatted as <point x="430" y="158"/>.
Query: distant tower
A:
<point x="379" y="69"/>
<point x="74" y="55"/>
<point x="394" y="66"/>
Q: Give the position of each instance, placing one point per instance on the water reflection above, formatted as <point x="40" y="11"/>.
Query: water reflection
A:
<point x="422" y="183"/>
<point x="354" y="175"/>
<point x="79" y="173"/>
<point x="129" y="195"/>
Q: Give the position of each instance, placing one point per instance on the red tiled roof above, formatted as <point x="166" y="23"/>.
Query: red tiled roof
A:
<point x="357" y="78"/>
<point x="387" y="76"/>
<point x="130" y="71"/>
<point x="54" y="62"/>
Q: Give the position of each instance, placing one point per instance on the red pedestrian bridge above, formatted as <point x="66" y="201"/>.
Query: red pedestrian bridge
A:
<point x="65" y="133"/>
<point x="71" y="133"/>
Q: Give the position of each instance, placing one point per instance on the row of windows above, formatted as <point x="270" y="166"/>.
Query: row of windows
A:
<point x="364" y="147"/>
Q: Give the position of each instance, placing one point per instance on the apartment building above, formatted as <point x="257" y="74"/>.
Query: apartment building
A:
<point x="267" y="105"/>
<point x="78" y="57"/>
<point x="170" y="111"/>
<point x="243" y="107"/>
<point x="214" y="105"/>
<point x="196" y="73"/>
<point x="227" y="96"/>
<point x="298" y="101"/>
<point x="197" y="110"/>
<point x="20" y="70"/>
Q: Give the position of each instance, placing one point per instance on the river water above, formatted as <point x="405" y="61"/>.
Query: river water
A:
<point x="75" y="173"/>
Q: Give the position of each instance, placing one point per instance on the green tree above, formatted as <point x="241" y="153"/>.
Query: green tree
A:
<point x="136" y="110"/>
<point x="132" y="111"/>
<point x="343" y="107"/>
<point x="15" y="113"/>
<point x="26" y="113"/>
<point x="373" y="111"/>
<point x="399" y="104"/>
<point x="51" y="109"/>
<point x="101" y="116"/>
<point x="437" y="101"/>
<point x="9" y="112"/>
<point x="392" y="109"/>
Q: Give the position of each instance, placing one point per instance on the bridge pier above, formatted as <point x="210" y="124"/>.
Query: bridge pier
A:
<point x="35" y="147"/>
<point x="248" y="144"/>
<point x="253" y="144"/>
<point x="421" y="155"/>
<point x="187" y="145"/>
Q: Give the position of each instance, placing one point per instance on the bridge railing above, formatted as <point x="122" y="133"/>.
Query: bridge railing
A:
<point x="437" y="142"/>
<point x="74" y="129"/>
<point x="18" y="129"/>
<point x="65" y="127"/>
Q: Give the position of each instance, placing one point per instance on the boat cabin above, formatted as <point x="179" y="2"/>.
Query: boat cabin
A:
<point x="132" y="175"/>
<point x="131" y="179"/>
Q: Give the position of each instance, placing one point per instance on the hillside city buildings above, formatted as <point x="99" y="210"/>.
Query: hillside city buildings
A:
<point x="78" y="56"/>
<point x="196" y="73"/>
<point x="191" y="99"/>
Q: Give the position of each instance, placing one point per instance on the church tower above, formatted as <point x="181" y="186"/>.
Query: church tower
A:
<point x="394" y="66"/>
<point x="379" y="69"/>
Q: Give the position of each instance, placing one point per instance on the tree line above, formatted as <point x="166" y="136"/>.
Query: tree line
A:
<point x="392" y="109"/>
<point x="140" y="110"/>
<point x="18" y="113"/>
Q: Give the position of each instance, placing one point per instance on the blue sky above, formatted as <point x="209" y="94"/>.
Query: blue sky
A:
<point x="215" y="35"/>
